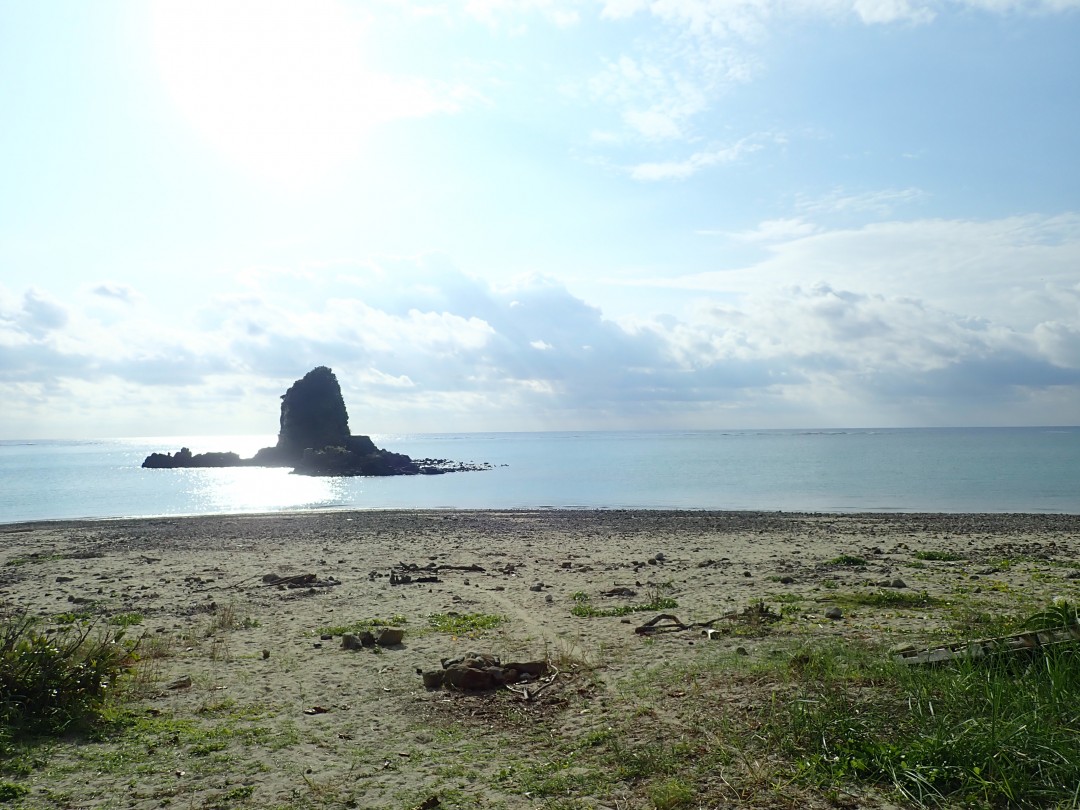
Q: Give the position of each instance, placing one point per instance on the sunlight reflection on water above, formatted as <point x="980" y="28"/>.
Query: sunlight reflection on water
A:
<point x="259" y="489"/>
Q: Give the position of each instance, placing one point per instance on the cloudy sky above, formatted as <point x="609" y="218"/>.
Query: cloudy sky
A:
<point x="539" y="214"/>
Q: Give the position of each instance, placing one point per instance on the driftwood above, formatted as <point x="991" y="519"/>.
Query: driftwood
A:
<point x="1016" y="644"/>
<point x="756" y="613"/>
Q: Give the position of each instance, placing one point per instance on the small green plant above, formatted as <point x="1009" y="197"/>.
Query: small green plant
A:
<point x="671" y="794"/>
<point x="55" y="682"/>
<point x="847" y="559"/>
<point x="464" y="624"/>
<point x="125" y="619"/>
<point x="890" y="599"/>
<point x="938" y="556"/>
<point x="584" y="609"/>
<point x="1059" y="614"/>
<point x="9" y="791"/>
<point x="397" y="620"/>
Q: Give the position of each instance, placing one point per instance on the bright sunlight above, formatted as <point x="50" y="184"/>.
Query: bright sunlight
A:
<point x="280" y="89"/>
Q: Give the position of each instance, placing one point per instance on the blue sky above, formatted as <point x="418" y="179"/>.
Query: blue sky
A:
<point x="539" y="214"/>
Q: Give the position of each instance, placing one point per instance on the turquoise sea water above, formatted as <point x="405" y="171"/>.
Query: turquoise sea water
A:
<point x="909" y="470"/>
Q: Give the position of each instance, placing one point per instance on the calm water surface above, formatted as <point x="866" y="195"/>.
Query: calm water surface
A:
<point x="915" y="470"/>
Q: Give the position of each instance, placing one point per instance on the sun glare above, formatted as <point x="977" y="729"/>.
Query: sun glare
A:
<point x="278" y="87"/>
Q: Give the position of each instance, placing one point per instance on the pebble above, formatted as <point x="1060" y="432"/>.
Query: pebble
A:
<point x="834" y="613"/>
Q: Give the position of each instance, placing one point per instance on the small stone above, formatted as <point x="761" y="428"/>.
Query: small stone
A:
<point x="898" y="583"/>
<point x="537" y="586"/>
<point x="747" y="574"/>
<point x="390" y="636"/>
<point x="741" y="651"/>
<point x="834" y="613"/>
<point x="659" y="556"/>
<point x="326" y="637"/>
<point x="65" y="579"/>
<point x="787" y="580"/>
<point x="549" y="598"/>
<point x="567" y="564"/>
<point x="265" y="654"/>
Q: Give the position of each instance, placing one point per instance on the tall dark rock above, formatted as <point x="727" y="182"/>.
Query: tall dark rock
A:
<point x="314" y="439"/>
<point x="313" y="415"/>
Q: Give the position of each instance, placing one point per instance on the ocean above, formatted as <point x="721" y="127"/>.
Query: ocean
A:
<point x="1035" y="470"/>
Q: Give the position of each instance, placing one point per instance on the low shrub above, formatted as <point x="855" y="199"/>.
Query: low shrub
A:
<point x="54" y="682"/>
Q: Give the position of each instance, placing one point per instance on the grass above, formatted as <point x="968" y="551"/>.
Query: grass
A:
<point x="938" y="556"/>
<point x="55" y="682"/>
<point x="584" y="609"/>
<point x="464" y="624"/>
<point x="847" y="559"/>
<point x="992" y="733"/>
<point x="889" y="599"/>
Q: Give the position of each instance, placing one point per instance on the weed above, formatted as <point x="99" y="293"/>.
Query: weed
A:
<point x="464" y="624"/>
<point x="583" y="609"/>
<point x="396" y="620"/>
<point x="890" y="599"/>
<point x="938" y="556"/>
<point x="9" y="791"/>
<point x="52" y="683"/>
<point x="671" y="794"/>
<point x="125" y="619"/>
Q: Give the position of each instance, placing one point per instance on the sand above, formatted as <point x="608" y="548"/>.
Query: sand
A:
<point x="241" y="701"/>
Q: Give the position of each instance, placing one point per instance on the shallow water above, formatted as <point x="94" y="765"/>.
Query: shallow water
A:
<point x="910" y="470"/>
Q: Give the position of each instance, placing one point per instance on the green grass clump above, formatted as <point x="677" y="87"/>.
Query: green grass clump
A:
<point x="51" y="683"/>
<point x="999" y="732"/>
<point x="464" y="624"/>
<point x="847" y="559"/>
<point x="360" y="625"/>
<point x="890" y="599"/>
<point x="125" y="619"/>
<point x="939" y="556"/>
<point x="9" y="791"/>
<point x="583" y="609"/>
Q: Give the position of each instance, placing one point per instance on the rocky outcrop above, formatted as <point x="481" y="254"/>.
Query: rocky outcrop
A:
<point x="184" y="458"/>
<point x="314" y="439"/>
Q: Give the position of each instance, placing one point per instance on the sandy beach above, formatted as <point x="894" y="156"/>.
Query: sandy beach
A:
<point x="245" y="697"/>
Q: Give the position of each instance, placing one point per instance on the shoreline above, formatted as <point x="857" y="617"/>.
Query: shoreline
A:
<point x="291" y="709"/>
<point x="23" y="525"/>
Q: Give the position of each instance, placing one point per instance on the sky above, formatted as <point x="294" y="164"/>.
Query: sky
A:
<point x="499" y="215"/>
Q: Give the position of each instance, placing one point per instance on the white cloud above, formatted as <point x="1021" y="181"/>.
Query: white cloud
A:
<point x="461" y="354"/>
<point x="1017" y="270"/>
<point x="682" y="169"/>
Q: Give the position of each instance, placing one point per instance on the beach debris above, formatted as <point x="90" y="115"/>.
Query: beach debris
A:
<point x="755" y="615"/>
<point x="299" y="581"/>
<point x="1025" y="643"/>
<point x="482" y="672"/>
<point x="407" y="579"/>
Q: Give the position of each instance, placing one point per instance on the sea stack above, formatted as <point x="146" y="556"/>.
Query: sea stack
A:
<point x="314" y="439"/>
